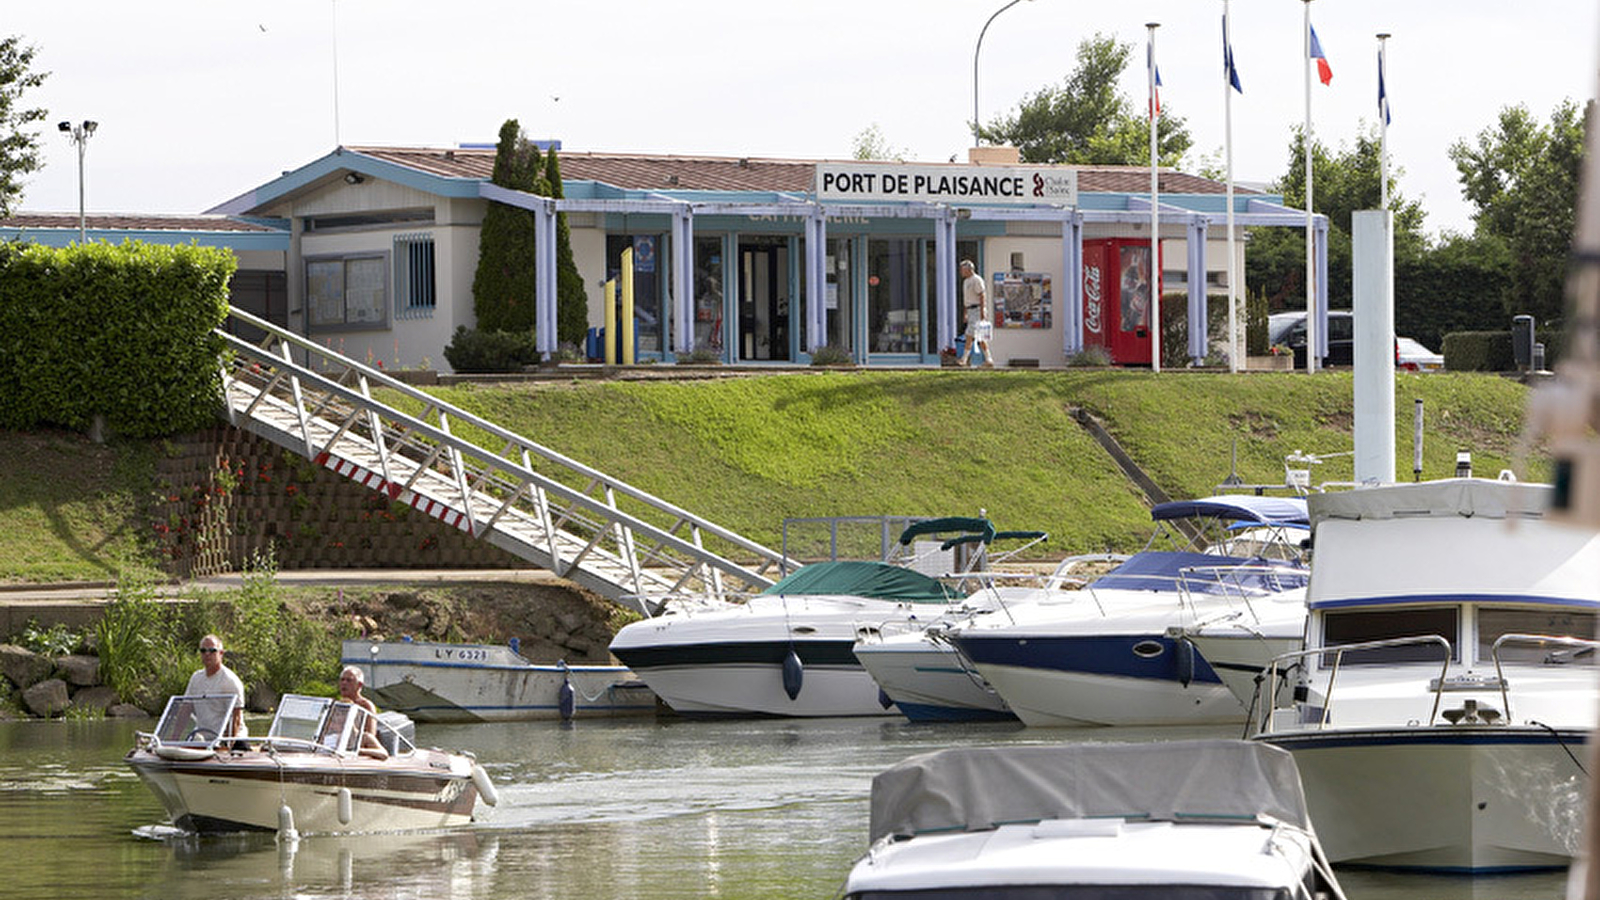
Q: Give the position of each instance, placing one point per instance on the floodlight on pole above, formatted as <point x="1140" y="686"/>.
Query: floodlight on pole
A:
<point x="79" y="134"/>
<point x="975" y="66"/>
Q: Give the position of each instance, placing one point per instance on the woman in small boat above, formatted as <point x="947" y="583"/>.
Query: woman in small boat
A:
<point x="351" y="681"/>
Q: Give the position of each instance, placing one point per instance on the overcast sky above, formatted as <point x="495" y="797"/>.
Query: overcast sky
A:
<point x="201" y="100"/>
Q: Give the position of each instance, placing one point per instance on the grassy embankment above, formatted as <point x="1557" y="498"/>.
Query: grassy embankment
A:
<point x="747" y="452"/>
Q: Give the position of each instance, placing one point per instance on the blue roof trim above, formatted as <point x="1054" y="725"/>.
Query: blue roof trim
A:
<point x="1454" y="598"/>
<point x="233" y="240"/>
<point x="342" y="160"/>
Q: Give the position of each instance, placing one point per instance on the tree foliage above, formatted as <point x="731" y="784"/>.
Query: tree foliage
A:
<point x="19" y="145"/>
<point x="1522" y="178"/>
<point x="870" y="144"/>
<point x="503" y="288"/>
<point x="1086" y="120"/>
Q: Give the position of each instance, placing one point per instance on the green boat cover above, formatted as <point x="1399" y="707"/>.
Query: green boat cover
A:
<point x="875" y="580"/>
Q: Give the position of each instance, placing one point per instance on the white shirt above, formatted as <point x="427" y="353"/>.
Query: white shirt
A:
<point x="224" y="682"/>
<point x="974" y="293"/>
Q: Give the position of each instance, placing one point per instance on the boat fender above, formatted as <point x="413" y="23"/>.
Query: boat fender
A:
<point x="286" y="830"/>
<point x="345" y="804"/>
<point x="794" y="673"/>
<point x="486" y="790"/>
<point x="883" y="699"/>
<point x="567" y="699"/>
<point x="1185" y="652"/>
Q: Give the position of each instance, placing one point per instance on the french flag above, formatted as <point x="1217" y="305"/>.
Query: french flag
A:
<point x="1324" y="71"/>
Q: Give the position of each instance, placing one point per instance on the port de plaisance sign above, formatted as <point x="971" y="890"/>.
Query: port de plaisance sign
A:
<point x="1020" y="185"/>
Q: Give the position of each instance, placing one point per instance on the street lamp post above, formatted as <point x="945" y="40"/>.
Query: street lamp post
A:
<point x="975" y="67"/>
<point x="79" y="134"/>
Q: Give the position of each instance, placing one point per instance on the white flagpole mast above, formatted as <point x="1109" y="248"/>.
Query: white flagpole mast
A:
<point x="1311" y="270"/>
<point x="1155" y="213"/>
<point x="1383" y="120"/>
<point x="1235" y="345"/>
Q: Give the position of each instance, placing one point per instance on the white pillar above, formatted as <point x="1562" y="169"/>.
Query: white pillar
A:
<point x="1372" y="283"/>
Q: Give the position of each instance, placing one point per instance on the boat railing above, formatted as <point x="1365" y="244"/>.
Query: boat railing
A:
<point x="1577" y="646"/>
<point x="1285" y="661"/>
<point x="1242" y="581"/>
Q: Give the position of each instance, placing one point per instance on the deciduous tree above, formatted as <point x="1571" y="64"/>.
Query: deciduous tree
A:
<point x="19" y="144"/>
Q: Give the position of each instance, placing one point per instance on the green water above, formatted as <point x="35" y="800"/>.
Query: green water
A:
<point x="627" y="809"/>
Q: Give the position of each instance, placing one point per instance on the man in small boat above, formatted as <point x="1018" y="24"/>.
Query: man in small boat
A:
<point x="351" y="681"/>
<point x="215" y="678"/>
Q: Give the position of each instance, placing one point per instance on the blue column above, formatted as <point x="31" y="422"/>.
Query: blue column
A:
<point x="1069" y="301"/>
<point x="944" y="252"/>
<point x="1199" y="340"/>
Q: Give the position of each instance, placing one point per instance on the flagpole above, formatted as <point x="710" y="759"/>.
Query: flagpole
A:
<point x="1235" y="346"/>
<point x="1383" y="121"/>
<point x="1155" y="212"/>
<point x="1311" y="280"/>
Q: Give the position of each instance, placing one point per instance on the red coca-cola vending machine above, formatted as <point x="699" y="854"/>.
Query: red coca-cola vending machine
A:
<point x="1116" y="299"/>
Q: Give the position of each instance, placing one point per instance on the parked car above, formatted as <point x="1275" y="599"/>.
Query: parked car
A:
<point x="1289" y="329"/>
<point x="1411" y="356"/>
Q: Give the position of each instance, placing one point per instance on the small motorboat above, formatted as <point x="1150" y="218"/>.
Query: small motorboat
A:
<point x="1113" y="652"/>
<point x="440" y="682"/>
<point x="1191" y="820"/>
<point x="1439" y="711"/>
<point x="317" y="771"/>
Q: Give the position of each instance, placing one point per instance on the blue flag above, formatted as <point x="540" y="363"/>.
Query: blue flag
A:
<point x="1383" y="95"/>
<point x="1227" y="57"/>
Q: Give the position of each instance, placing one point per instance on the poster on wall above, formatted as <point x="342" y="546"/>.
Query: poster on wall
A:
<point x="1022" y="300"/>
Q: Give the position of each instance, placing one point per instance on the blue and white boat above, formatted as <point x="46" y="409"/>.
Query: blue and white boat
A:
<point x="1448" y="683"/>
<point x="442" y="682"/>
<point x="1112" y="653"/>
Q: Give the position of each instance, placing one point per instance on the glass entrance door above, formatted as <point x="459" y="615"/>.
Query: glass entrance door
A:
<point x="764" y="299"/>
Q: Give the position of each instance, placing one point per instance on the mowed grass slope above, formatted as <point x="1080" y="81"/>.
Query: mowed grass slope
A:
<point x="747" y="452"/>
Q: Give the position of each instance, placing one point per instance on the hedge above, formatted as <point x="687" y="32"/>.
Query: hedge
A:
<point x="121" y="331"/>
<point x="1490" y="351"/>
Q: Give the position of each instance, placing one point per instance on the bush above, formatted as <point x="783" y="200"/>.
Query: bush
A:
<point x="121" y="331"/>
<point x="1490" y="351"/>
<point x="828" y="355"/>
<point x="490" y="351"/>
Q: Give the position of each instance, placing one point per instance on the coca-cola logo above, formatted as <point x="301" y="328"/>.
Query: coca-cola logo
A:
<point x="1091" y="299"/>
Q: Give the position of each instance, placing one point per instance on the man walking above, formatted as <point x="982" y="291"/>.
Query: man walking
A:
<point x="980" y="317"/>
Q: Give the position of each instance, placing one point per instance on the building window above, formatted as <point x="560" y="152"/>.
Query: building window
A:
<point x="347" y="293"/>
<point x="414" y="292"/>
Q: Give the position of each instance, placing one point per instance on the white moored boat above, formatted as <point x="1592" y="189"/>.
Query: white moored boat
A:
<point x="438" y="682"/>
<point x="785" y="651"/>
<point x="1180" y="820"/>
<point x="1448" y="682"/>
<point x="1112" y="653"/>
<point x="310" y="774"/>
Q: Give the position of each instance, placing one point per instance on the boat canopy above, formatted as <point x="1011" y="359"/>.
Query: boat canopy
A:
<point x="856" y="578"/>
<point x="983" y="529"/>
<point x="981" y="788"/>
<point x="1236" y="508"/>
<point x="1204" y="573"/>
<point x="1445" y="498"/>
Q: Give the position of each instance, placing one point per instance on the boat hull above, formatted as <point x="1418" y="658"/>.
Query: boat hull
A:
<point x="1099" y="680"/>
<point x="473" y="683"/>
<point x="1239" y="658"/>
<point x="243" y="792"/>
<point x="929" y="683"/>
<point x="755" y="688"/>
<point x="1447" y="798"/>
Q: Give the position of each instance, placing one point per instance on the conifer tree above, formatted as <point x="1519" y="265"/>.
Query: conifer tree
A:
<point x="572" y="303"/>
<point x="503" y="289"/>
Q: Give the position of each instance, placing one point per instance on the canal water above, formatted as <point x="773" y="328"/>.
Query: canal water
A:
<point x="658" y="808"/>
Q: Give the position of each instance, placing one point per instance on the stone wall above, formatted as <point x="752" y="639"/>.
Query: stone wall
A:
<point x="54" y="686"/>
<point x="223" y="494"/>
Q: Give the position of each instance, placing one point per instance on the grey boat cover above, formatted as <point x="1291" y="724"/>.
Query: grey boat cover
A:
<point x="980" y="788"/>
<point x="1447" y="497"/>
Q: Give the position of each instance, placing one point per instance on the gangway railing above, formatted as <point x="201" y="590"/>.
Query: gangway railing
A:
<point x="604" y="534"/>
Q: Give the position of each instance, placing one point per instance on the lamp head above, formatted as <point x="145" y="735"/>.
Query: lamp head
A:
<point x="89" y="125"/>
<point x="65" y="126"/>
<point x="353" y="178"/>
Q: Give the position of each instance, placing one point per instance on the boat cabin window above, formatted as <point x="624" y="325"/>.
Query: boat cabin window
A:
<point x="1496" y="621"/>
<point x="1358" y="626"/>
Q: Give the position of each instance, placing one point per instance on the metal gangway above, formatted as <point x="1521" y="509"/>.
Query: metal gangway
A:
<point x="527" y="499"/>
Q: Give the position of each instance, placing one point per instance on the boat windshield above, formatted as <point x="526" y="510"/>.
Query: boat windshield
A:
<point x="1083" y="892"/>
<point x="1552" y="621"/>
<point x="300" y="718"/>
<point x="195" y="719"/>
<point x="1356" y="626"/>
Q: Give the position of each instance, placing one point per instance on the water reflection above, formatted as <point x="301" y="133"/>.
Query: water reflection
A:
<point x="637" y="808"/>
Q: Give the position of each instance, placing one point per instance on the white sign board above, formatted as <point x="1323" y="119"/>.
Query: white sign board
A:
<point x="1018" y="185"/>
